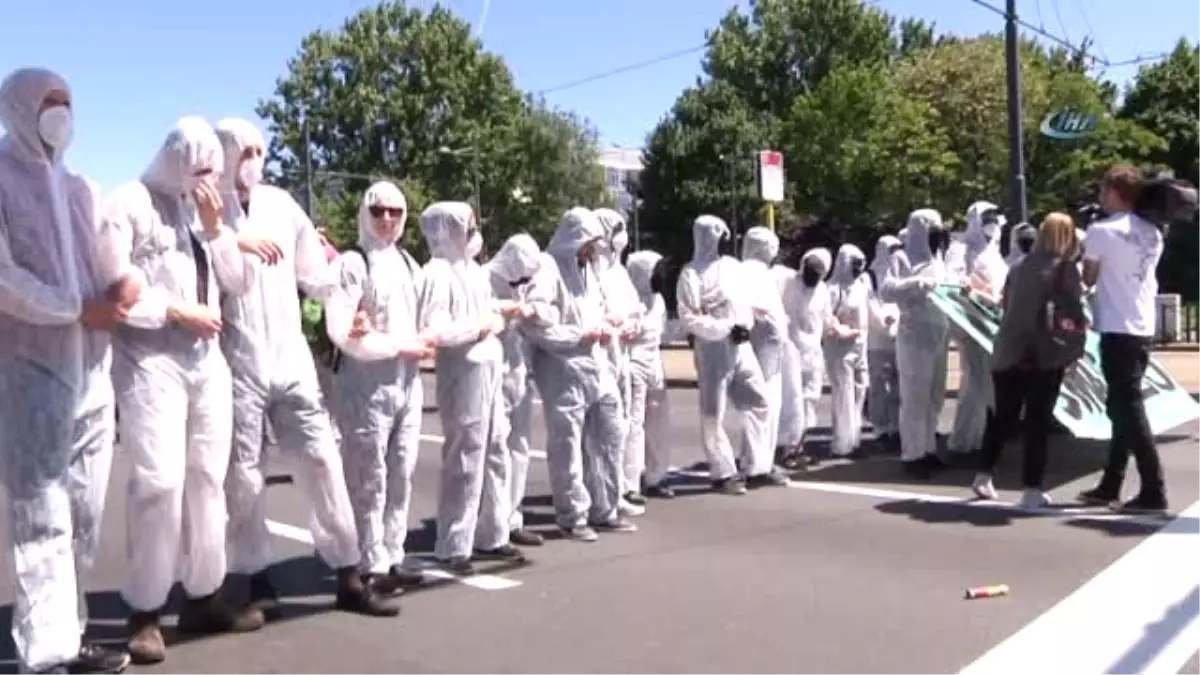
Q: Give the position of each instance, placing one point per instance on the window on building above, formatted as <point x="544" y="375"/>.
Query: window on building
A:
<point x="614" y="178"/>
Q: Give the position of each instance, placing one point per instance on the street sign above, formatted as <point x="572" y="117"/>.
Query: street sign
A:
<point x="1068" y="124"/>
<point x="770" y="176"/>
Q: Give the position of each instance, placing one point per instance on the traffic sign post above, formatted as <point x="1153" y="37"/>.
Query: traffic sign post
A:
<point x="770" y="181"/>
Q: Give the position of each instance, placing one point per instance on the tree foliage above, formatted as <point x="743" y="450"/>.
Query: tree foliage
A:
<point x="411" y="96"/>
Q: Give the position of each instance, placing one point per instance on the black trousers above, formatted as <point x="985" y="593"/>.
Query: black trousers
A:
<point x="1123" y="360"/>
<point x="1034" y="391"/>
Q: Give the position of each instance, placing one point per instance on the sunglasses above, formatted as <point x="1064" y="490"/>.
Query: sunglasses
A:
<point x="380" y="211"/>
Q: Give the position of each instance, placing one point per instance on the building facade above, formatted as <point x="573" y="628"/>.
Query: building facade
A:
<point x="622" y="166"/>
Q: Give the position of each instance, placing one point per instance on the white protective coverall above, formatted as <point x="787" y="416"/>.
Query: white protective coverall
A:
<point x="173" y="385"/>
<point x="510" y="270"/>
<point x="883" y="390"/>
<point x="274" y="378"/>
<point x="458" y="313"/>
<point x="56" y="422"/>
<point x="715" y="306"/>
<point x="790" y="431"/>
<point x="768" y="337"/>
<point x="621" y="303"/>
<point x="845" y="347"/>
<point x="921" y="339"/>
<point x="807" y="304"/>
<point x="1020" y="242"/>
<point x="378" y="383"/>
<point x="983" y="266"/>
<point x="580" y="397"/>
<point x="648" y="445"/>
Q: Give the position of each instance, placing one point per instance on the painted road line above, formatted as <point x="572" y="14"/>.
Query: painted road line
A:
<point x="1140" y="615"/>
<point x="483" y="582"/>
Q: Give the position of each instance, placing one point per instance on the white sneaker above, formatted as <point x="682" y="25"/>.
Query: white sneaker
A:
<point x="629" y="509"/>
<point x="1034" y="499"/>
<point x="983" y="488"/>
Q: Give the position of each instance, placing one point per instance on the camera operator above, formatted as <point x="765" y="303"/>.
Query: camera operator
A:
<point x="1122" y="253"/>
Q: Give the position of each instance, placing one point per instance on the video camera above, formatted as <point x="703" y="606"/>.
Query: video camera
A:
<point x="1165" y="199"/>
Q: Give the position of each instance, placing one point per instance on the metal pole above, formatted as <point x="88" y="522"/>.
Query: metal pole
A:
<point x="637" y="235"/>
<point x="733" y="226"/>
<point x="1016" y="151"/>
<point x="475" y="176"/>
<point x="308" y="172"/>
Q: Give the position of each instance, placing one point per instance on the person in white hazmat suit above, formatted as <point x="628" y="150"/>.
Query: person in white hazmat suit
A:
<point x="982" y="272"/>
<point x="173" y="386"/>
<point x="808" y="307"/>
<point x="769" y="339"/>
<point x="623" y="310"/>
<point x="648" y="445"/>
<point x="462" y="319"/>
<point x="921" y="339"/>
<point x="1020" y="242"/>
<point x="580" y="397"/>
<point x="845" y="347"/>
<point x="883" y="388"/>
<point x="789" y="450"/>
<point x="510" y="271"/>
<point x="717" y="307"/>
<point x="275" y="381"/>
<point x="58" y="302"/>
<point x="371" y="317"/>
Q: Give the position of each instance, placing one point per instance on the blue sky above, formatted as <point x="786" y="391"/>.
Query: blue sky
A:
<point x="136" y="66"/>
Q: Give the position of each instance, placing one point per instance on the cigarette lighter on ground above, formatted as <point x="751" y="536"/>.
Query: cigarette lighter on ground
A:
<point x="980" y="592"/>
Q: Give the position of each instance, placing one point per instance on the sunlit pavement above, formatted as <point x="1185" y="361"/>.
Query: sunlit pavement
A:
<point x="852" y="569"/>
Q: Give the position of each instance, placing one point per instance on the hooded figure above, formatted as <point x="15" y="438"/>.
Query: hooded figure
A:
<point x="275" y="381"/>
<point x="883" y="390"/>
<point x="716" y="307"/>
<point x="984" y="271"/>
<point x="790" y="430"/>
<point x="623" y="309"/>
<point x="173" y="386"/>
<point x="510" y="272"/>
<point x="1020" y="242"/>
<point x="921" y="339"/>
<point x="845" y="347"/>
<point x="377" y="383"/>
<point x="648" y="445"/>
<point x="768" y="337"/>
<point x="808" y="307"/>
<point x="462" y="319"/>
<point x="580" y="397"/>
<point x="56" y="424"/>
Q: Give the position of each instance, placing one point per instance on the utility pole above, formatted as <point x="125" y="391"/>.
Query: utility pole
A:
<point x="309" y="200"/>
<point x="1016" y="150"/>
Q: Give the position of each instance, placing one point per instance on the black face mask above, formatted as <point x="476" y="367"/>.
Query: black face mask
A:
<point x="857" y="267"/>
<point x="725" y="245"/>
<point x="1025" y="244"/>
<point x="811" y="276"/>
<point x="658" y="277"/>
<point x="519" y="282"/>
<point x="937" y="241"/>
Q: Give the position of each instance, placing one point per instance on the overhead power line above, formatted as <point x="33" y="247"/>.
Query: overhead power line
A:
<point x="1074" y="49"/>
<point x="625" y="69"/>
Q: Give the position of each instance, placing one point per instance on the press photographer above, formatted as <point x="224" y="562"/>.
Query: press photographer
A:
<point x="1120" y="260"/>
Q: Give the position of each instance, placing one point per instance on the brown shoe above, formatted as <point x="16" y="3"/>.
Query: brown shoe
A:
<point x="146" y="644"/>
<point x="211" y="614"/>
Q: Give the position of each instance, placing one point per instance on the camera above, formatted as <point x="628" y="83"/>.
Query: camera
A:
<point x="1163" y="199"/>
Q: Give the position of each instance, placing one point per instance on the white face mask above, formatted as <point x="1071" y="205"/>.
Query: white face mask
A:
<point x="250" y="173"/>
<point x="620" y="240"/>
<point x="55" y="126"/>
<point x="991" y="231"/>
<point x="474" y="245"/>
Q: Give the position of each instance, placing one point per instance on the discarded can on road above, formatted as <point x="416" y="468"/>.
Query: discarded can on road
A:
<point x="980" y="592"/>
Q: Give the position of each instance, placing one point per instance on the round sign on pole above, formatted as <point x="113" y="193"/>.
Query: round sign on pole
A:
<point x="770" y="175"/>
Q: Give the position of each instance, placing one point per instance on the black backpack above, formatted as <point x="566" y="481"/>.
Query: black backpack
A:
<point x="323" y="347"/>
<point x="1062" y="324"/>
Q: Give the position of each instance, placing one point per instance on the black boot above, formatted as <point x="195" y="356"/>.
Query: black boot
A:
<point x="359" y="598"/>
<point x="211" y="614"/>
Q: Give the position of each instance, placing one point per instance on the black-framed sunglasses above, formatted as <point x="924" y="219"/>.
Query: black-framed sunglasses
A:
<point x="380" y="211"/>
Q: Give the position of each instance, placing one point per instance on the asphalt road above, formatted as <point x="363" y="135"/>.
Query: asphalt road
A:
<point x="853" y="569"/>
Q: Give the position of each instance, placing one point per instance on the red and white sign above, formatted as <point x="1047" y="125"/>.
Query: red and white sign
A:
<point x="770" y="175"/>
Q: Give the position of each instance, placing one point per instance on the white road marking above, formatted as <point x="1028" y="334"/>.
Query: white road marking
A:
<point x="1140" y="615"/>
<point x="483" y="582"/>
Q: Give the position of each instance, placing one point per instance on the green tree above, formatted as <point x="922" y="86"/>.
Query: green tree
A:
<point x="1163" y="100"/>
<point x="412" y="96"/>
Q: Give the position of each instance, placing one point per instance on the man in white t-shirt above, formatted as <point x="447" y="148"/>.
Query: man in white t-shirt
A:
<point x="1122" y="253"/>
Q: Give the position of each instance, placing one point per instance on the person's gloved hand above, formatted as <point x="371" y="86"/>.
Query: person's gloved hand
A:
<point x="202" y="320"/>
<point x="739" y="334"/>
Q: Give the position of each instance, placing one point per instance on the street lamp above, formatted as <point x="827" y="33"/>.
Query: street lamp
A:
<point x="473" y="153"/>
